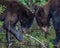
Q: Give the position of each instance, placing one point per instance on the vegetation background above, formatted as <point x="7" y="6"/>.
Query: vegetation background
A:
<point x="34" y="30"/>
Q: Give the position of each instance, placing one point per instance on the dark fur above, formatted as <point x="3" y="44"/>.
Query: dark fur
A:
<point x="41" y="14"/>
<point x="55" y="15"/>
<point x="14" y="12"/>
<point x="51" y="10"/>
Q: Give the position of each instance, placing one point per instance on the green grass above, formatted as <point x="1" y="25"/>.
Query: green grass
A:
<point x="36" y="34"/>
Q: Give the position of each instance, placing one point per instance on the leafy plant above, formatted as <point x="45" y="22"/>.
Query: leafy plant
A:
<point x="2" y="8"/>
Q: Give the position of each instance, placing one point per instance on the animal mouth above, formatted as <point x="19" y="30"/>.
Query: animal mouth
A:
<point x="24" y="30"/>
<point x="44" y="29"/>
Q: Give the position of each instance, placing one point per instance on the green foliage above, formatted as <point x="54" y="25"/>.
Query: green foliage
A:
<point x="2" y="9"/>
<point x="26" y="2"/>
<point x="42" y="2"/>
<point x="51" y="45"/>
<point x="23" y="2"/>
